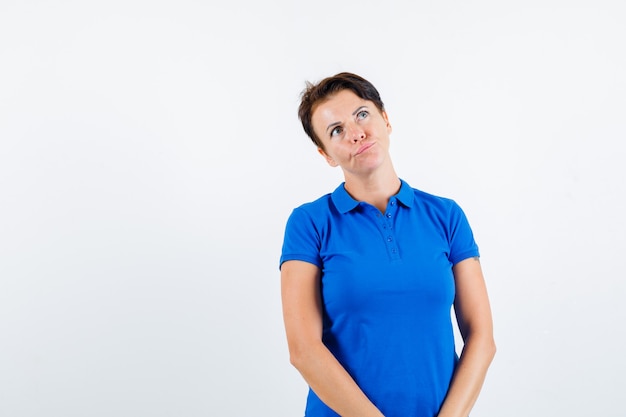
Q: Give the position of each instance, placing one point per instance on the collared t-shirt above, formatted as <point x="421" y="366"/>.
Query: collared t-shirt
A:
<point x="387" y="292"/>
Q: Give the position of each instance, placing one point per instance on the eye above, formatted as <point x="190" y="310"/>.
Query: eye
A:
<point x="336" y="131"/>
<point x="362" y="114"/>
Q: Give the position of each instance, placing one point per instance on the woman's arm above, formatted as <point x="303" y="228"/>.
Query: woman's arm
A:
<point x="302" y="312"/>
<point x="473" y="313"/>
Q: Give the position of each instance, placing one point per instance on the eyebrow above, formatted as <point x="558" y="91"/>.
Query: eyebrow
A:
<point x="338" y="123"/>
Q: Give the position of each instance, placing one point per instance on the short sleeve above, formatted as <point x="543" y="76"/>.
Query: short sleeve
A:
<point x="302" y="240"/>
<point x="462" y="244"/>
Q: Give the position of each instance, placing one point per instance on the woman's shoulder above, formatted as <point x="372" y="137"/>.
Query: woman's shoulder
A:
<point x="429" y="199"/>
<point x="432" y="198"/>
<point x="312" y="211"/>
<point x="319" y="204"/>
<point x="327" y="204"/>
<point x="436" y="206"/>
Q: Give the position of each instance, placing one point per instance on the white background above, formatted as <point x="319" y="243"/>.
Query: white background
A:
<point x="150" y="154"/>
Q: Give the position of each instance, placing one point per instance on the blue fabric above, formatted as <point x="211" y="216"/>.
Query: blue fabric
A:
<point x="387" y="289"/>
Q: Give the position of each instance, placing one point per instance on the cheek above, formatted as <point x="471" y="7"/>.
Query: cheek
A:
<point x="326" y="156"/>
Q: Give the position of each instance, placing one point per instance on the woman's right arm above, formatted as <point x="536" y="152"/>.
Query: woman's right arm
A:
<point x="302" y="313"/>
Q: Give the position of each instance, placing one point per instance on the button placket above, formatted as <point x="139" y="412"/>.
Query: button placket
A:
<point x="388" y="229"/>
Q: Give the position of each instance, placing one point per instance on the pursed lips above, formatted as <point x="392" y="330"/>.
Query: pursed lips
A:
<point x="363" y="148"/>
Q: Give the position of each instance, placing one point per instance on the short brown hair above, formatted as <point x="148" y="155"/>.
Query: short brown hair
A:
<point x="314" y="94"/>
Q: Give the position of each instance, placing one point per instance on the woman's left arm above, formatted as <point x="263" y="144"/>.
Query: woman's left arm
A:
<point x="471" y="306"/>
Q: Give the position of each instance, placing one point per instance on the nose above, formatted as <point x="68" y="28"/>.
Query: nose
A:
<point x="355" y="133"/>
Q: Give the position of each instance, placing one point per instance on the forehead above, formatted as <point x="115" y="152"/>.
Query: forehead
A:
<point x="338" y="105"/>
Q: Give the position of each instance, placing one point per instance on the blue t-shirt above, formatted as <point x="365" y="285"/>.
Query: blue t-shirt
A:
<point x="387" y="292"/>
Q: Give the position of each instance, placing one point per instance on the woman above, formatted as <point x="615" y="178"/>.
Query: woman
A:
<point x="369" y="274"/>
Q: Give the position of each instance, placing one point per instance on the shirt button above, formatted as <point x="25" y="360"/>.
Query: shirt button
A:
<point x="393" y="203"/>
<point x="389" y="239"/>
<point x="389" y="215"/>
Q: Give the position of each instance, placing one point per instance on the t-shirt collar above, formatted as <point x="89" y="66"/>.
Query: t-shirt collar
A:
<point x="405" y="195"/>
<point x="345" y="203"/>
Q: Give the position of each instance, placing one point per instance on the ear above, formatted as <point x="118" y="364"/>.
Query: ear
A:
<point x="386" y="118"/>
<point x="327" y="157"/>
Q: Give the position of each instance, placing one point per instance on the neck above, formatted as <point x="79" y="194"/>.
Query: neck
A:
<point x="374" y="189"/>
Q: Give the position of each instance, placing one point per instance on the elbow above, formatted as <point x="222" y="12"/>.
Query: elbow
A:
<point x="488" y="347"/>
<point x="491" y="348"/>
<point x="297" y="357"/>
<point x="484" y="345"/>
<point x="301" y="355"/>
